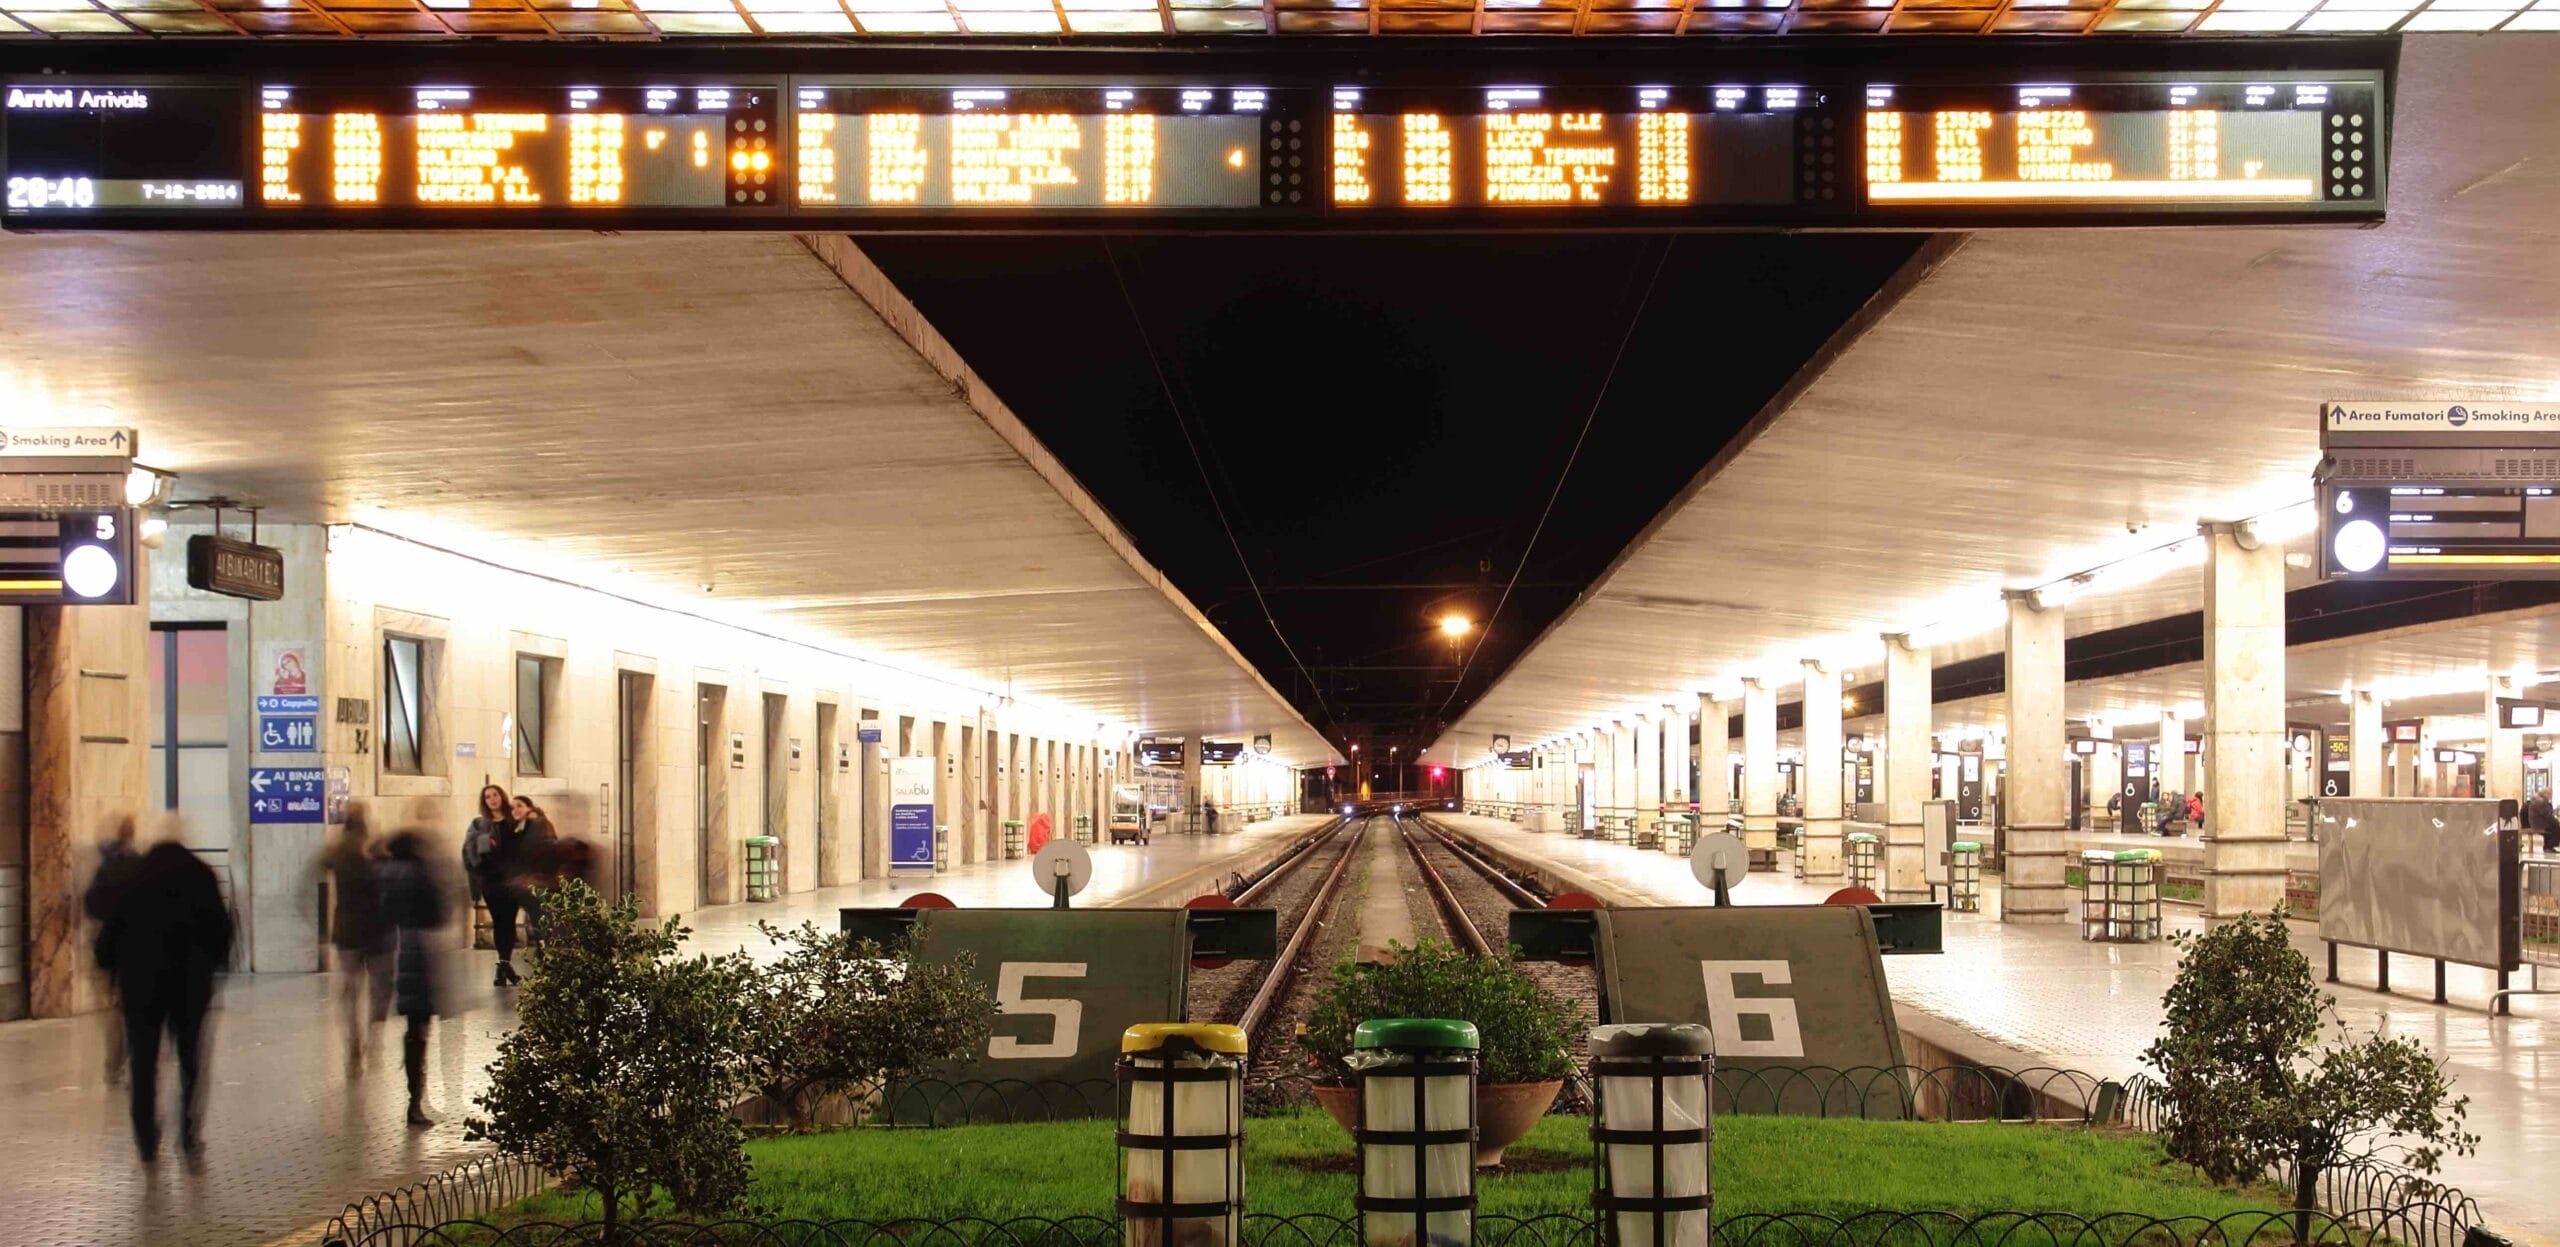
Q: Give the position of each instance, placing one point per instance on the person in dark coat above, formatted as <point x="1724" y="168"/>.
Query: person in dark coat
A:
<point x="491" y="854"/>
<point x="357" y="930"/>
<point x="413" y="908"/>
<point x="116" y="862"/>
<point x="166" y="934"/>
<point x="533" y="864"/>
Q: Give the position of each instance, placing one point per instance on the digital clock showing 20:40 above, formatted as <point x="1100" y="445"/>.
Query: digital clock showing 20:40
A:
<point x="788" y="152"/>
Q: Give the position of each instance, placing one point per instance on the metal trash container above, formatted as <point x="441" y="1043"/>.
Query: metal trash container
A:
<point x="1964" y="876"/>
<point x="1012" y="839"/>
<point x="1182" y="1135"/>
<point x="1653" y="1128"/>
<point x="1865" y="860"/>
<point x="1416" y="1079"/>
<point x="941" y="847"/>
<point x="764" y="868"/>
<point x="2120" y="895"/>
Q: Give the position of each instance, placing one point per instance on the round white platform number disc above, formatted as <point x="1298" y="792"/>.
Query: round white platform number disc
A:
<point x="1721" y="851"/>
<point x="1062" y="858"/>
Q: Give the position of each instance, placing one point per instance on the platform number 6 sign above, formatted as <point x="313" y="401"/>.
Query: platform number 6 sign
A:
<point x="1066" y="1016"/>
<point x="1725" y="1010"/>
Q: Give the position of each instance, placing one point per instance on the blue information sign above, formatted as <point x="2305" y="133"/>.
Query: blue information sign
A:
<point x="911" y="813"/>
<point x="288" y="733"/>
<point x="289" y="705"/>
<point x="287" y="794"/>
<point x="868" y="733"/>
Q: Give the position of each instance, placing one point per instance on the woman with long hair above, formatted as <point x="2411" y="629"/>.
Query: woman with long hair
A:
<point x="488" y="861"/>
<point x="530" y="867"/>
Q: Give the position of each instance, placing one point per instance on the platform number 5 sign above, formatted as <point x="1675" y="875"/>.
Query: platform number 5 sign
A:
<point x="1726" y="1010"/>
<point x="1066" y="1016"/>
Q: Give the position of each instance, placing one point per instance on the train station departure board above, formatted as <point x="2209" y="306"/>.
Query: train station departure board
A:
<point x="786" y="151"/>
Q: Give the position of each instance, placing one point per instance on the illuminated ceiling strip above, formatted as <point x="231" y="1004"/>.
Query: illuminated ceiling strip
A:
<point x="2023" y="192"/>
<point x="30" y="586"/>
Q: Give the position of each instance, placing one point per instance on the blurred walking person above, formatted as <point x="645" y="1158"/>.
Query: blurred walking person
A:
<point x="413" y="909"/>
<point x="357" y="931"/>
<point x="165" y="936"/>
<point x="116" y="862"/>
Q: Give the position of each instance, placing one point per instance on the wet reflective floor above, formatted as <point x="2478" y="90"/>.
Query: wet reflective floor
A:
<point x="2043" y="992"/>
<point x="291" y="1136"/>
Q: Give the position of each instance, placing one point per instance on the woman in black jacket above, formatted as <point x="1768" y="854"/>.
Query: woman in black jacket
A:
<point x="413" y="907"/>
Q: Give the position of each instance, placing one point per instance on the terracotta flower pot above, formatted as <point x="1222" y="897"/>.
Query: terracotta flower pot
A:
<point x="1505" y="1113"/>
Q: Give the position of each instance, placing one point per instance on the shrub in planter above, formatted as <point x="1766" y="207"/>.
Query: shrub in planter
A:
<point x="1526" y="1031"/>
<point x="2250" y="1088"/>
<point x="623" y="1064"/>
<point x="836" y="1015"/>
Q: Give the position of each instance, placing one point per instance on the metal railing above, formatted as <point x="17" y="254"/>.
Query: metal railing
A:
<point x="2387" y="1228"/>
<point x="2377" y="1199"/>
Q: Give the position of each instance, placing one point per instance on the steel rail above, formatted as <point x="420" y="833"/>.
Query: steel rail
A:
<point x="1452" y="914"/>
<point x="1283" y="967"/>
<point x="1520" y="895"/>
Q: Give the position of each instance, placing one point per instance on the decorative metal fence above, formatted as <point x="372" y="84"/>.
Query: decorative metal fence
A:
<point x="2376" y="1199"/>
<point x="2385" y="1228"/>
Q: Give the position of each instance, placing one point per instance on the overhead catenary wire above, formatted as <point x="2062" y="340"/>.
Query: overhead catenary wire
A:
<point x="1626" y="337"/>
<point x="1146" y="342"/>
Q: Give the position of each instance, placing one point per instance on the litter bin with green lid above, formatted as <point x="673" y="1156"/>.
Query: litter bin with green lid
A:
<point x="1416" y="1079"/>
<point x="1012" y="839"/>
<point x="941" y="847"/>
<point x="764" y="868"/>
<point x="1084" y="828"/>
<point x="1964" y="876"/>
<point x="2120" y="895"/>
<point x="1182" y="1134"/>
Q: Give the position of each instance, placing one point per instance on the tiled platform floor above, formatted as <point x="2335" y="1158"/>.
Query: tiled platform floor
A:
<point x="2093" y="1006"/>
<point x="291" y="1137"/>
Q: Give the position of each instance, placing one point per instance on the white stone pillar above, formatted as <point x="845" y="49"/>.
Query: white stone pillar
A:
<point x="1907" y="681"/>
<point x="2502" y="767"/>
<point x="2364" y="744"/>
<point x="1648" y="760"/>
<point x="2034" y="805"/>
<point x="1760" y="773"/>
<point x="1822" y="747"/>
<point x="1604" y="774"/>
<point x="1715" y="770"/>
<point x="1675" y="759"/>
<point x="1623" y="760"/>
<point x="2106" y="776"/>
<point x="2245" y="734"/>
<point x="2169" y="760"/>
<point x="1190" y="813"/>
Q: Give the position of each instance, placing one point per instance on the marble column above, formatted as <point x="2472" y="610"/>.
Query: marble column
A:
<point x="1715" y="772"/>
<point x="2245" y="735"/>
<point x="1822" y="749"/>
<point x="88" y="702"/>
<point x="1648" y="760"/>
<point x="2364" y="744"/>
<point x="1675" y="759"/>
<point x="2502" y="766"/>
<point x="1623" y="759"/>
<point x="1190" y="812"/>
<point x="1760" y="773"/>
<point x="1907" y="704"/>
<point x="2034" y="804"/>
<point x="2169" y="759"/>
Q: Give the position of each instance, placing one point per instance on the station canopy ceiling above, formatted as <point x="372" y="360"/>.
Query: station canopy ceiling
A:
<point x="2040" y="403"/>
<point x="907" y="19"/>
